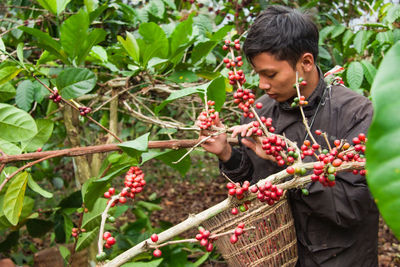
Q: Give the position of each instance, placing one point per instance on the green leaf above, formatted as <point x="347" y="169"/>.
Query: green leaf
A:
<point x="174" y="155"/>
<point x="323" y="53"/>
<point x="54" y="6"/>
<point x="94" y="37"/>
<point x="323" y="34"/>
<point x="347" y="37"/>
<point x="86" y="239"/>
<point x="16" y="125"/>
<point x="131" y="46"/>
<point x="153" y="263"/>
<point x="7" y="92"/>
<point x="65" y="254"/>
<point x="181" y="34"/>
<point x="75" y="82"/>
<point x="148" y="205"/>
<point x="10" y="241"/>
<point x="355" y="74"/>
<point x="361" y="40"/>
<point x="183" y="76"/>
<point x="36" y="188"/>
<point x="46" y="42"/>
<point x="221" y="33"/>
<point x="99" y="53"/>
<point x="6" y="171"/>
<point x="202" y="259"/>
<point x="74" y="200"/>
<point x="2" y="46"/>
<point x="382" y="152"/>
<point x="91" y="5"/>
<point x="38" y="227"/>
<point x="134" y="147"/>
<point x="92" y="218"/>
<point x="182" y="93"/>
<point x="9" y="148"/>
<point x="68" y="225"/>
<point x="216" y="91"/>
<point x="14" y="197"/>
<point x="20" y="53"/>
<point x="338" y="30"/>
<point x="94" y="188"/>
<point x="25" y="95"/>
<point x="156" y="8"/>
<point x="154" y="42"/>
<point x="170" y="3"/>
<point x="385" y="37"/>
<point x="45" y="129"/>
<point x="8" y="73"/>
<point x="369" y="70"/>
<point x="73" y="33"/>
<point x="201" y="50"/>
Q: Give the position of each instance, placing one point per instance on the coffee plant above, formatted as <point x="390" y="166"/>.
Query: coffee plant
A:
<point x="92" y="91"/>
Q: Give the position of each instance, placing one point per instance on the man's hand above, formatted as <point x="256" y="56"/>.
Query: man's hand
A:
<point x="218" y="144"/>
<point x="255" y="143"/>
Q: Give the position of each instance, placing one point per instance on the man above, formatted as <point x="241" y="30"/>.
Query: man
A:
<point x="336" y="226"/>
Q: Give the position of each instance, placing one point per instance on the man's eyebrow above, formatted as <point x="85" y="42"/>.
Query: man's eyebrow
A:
<point x="265" y="70"/>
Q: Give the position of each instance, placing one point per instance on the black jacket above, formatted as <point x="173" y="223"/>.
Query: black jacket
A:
<point x="336" y="226"/>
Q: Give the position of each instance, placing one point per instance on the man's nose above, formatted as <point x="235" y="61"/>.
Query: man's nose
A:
<point x="264" y="84"/>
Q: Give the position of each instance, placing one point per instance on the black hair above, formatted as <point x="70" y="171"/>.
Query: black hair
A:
<point x="283" y="32"/>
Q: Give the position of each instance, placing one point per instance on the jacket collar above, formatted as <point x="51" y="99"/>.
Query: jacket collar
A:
<point x="313" y="100"/>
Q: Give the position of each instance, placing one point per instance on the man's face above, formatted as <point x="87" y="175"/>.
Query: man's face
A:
<point x="276" y="76"/>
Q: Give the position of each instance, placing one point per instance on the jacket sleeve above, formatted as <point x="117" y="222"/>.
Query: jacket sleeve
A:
<point x="239" y="167"/>
<point x="348" y="202"/>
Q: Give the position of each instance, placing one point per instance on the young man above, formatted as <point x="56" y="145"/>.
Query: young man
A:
<point x="336" y="226"/>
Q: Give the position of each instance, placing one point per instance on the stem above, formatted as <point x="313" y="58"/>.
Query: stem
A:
<point x="104" y="216"/>
<point x="30" y="164"/>
<point x="327" y="142"/>
<point x="305" y="122"/>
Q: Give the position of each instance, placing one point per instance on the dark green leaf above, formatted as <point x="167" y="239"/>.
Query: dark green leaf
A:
<point x="73" y="33"/>
<point x="38" y="227"/>
<point x="174" y="155"/>
<point x="338" y="30"/>
<point x="46" y="42"/>
<point x="45" y="129"/>
<point x="36" y="188"/>
<point x="94" y="37"/>
<point x="74" y="82"/>
<point x="14" y="197"/>
<point x="65" y="254"/>
<point x="382" y="148"/>
<point x="221" y="33"/>
<point x="216" y="92"/>
<point x="54" y="6"/>
<point x="74" y="200"/>
<point x="154" y="43"/>
<point x="323" y="53"/>
<point x="10" y="241"/>
<point x="86" y="239"/>
<point x="183" y="76"/>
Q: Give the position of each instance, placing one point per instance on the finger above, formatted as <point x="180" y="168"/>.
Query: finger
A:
<point x="217" y="121"/>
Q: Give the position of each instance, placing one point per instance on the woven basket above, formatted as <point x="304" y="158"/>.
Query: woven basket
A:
<point x="272" y="243"/>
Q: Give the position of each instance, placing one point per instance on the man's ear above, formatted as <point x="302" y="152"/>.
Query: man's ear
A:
<point x="307" y="62"/>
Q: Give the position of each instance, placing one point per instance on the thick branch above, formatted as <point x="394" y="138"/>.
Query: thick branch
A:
<point x="79" y="151"/>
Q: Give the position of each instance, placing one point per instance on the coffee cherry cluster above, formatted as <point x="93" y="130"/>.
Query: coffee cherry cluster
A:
<point x="110" y="240"/>
<point x="235" y="189"/>
<point x="77" y="231"/>
<point x="55" y="96"/>
<point x="325" y="168"/>
<point x="268" y="192"/>
<point x="235" y="44"/>
<point x="237" y="76"/>
<point x="244" y="98"/>
<point x="299" y="101"/>
<point x="274" y="145"/>
<point x="207" y="118"/>
<point x="84" y="110"/>
<point x="238" y="231"/>
<point x="157" y="252"/>
<point x="204" y="238"/>
<point x="134" y="183"/>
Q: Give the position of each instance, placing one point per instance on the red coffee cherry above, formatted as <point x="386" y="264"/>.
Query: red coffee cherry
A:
<point x="157" y="253"/>
<point x="154" y="238"/>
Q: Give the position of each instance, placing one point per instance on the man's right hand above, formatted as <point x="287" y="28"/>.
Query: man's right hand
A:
<point x="218" y="144"/>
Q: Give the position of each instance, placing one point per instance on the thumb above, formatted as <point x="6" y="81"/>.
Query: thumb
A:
<point x="217" y="121"/>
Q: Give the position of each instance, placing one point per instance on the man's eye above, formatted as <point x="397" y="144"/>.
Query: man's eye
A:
<point x="270" y="75"/>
